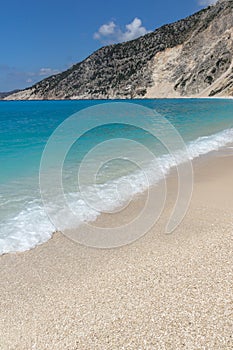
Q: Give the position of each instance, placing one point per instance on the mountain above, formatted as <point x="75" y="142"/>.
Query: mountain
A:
<point x="191" y="57"/>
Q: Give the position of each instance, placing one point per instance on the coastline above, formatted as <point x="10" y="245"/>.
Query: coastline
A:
<point x="127" y="99"/>
<point x="159" y="291"/>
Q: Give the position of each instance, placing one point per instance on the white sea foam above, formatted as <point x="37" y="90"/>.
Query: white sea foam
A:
<point x="31" y="226"/>
<point x="27" y="229"/>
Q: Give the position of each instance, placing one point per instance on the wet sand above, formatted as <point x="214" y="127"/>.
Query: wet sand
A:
<point x="161" y="292"/>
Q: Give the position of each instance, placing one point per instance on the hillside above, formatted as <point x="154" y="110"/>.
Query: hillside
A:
<point x="5" y="94"/>
<point x="192" y="57"/>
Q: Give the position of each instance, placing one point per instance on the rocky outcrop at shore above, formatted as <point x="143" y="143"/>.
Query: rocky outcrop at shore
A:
<point x="190" y="58"/>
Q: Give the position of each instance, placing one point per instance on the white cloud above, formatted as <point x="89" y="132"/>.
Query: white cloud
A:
<point x="47" y="71"/>
<point x="32" y="77"/>
<point x="134" y="30"/>
<point x="13" y="78"/>
<point x="112" y="33"/>
<point x="207" y="2"/>
<point x="105" y="30"/>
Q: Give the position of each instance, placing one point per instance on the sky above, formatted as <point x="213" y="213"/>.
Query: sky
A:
<point x="41" y="38"/>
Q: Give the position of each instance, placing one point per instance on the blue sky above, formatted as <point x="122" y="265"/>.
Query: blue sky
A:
<point x="39" y="38"/>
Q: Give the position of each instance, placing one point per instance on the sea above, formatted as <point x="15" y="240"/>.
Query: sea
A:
<point x="108" y="145"/>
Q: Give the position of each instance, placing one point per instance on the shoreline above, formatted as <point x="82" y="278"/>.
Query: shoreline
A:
<point x="138" y="98"/>
<point x="140" y="196"/>
<point x="159" y="291"/>
<point x="42" y="231"/>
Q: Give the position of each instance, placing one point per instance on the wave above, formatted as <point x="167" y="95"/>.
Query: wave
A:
<point x="31" y="226"/>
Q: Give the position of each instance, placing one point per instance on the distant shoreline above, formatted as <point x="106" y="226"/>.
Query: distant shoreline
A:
<point x="136" y="99"/>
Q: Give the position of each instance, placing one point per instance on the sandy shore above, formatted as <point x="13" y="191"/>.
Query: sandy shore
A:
<point x="161" y="292"/>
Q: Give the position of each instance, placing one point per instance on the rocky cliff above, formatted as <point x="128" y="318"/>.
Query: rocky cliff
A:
<point x="192" y="57"/>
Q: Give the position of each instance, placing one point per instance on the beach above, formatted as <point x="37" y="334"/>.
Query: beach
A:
<point x="116" y="180"/>
<point x="161" y="292"/>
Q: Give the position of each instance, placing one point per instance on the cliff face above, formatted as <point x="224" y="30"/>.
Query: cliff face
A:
<point x="192" y="57"/>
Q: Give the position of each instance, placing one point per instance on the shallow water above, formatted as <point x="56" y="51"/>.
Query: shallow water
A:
<point x="26" y="126"/>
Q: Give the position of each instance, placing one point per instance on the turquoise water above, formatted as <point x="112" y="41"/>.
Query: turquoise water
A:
<point x="26" y="126"/>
